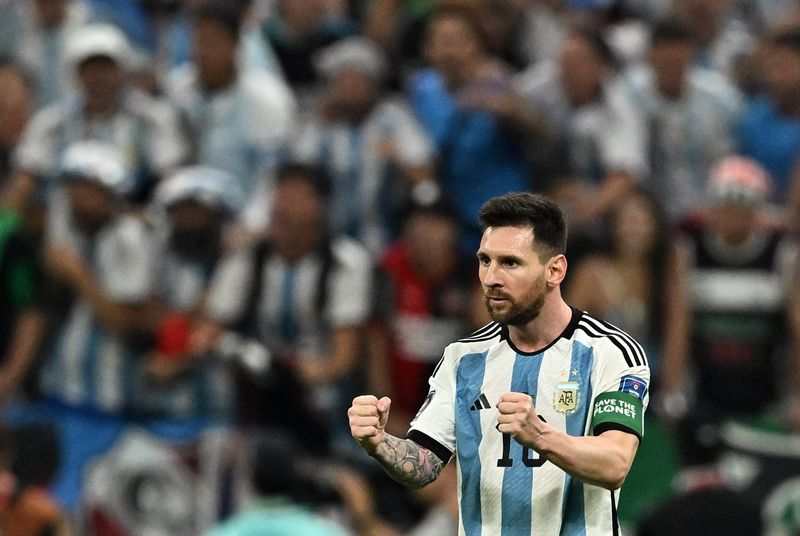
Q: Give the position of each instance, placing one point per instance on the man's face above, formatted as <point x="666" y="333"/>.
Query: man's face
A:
<point x="297" y="213"/>
<point x="102" y="80"/>
<point x="432" y="242"/>
<point x="91" y="205"/>
<point x="512" y="275"/>
<point x="195" y="231"/>
<point x="581" y="70"/>
<point x="214" y="52"/>
<point x="734" y="222"/>
<point x="671" y="61"/>
<point x="451" y="44"/>
<point x="354" y="92"/>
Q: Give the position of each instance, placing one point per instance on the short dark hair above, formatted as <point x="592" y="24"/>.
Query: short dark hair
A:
<point x="315" y="176"/>
<point x="523" y="209"/>
<point x="226" y="14"/>
<point x="671" y="31"/>
<point x="464" y="11"/>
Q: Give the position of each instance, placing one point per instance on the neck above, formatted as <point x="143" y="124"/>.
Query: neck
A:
<point x="545" y="328"/>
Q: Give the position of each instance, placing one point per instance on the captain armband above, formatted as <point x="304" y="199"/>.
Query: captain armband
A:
<point x="616" y="410"/>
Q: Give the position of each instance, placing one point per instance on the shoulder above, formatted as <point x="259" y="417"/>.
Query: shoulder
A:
<point x="478" y="342"/>
<point x="347" y="252"/>
<point x="151" y="110"/>
<point x="49" y="118"/>
<point x="712" y="85"/>
<point x="609" y="342"/>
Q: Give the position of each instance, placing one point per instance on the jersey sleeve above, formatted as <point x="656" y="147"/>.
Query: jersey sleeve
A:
<point x="623" y="380"/>
<point x="434" y="426"/>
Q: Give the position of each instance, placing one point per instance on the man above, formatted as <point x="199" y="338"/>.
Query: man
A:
<point x="465" y="103"/>
<point x="743" y="302"/>
<point x="543" y="407"/>
<point x="692" y="114"/>
<point x="302" y="292"/>
<point x="602" y="136"/>
<point x="238" y="120"/>
<point x="105" y="108"/>
<point x="370" y="145"/>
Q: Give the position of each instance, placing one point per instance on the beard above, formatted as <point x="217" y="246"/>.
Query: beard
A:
<point x="520" y="312"/>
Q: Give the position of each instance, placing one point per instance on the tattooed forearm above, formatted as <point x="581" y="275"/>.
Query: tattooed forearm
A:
<point x="407" y="462"/>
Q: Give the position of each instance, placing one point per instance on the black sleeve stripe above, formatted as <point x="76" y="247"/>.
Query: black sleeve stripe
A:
<point x="491" y="334"/>
<point x="614" y="518"/>
<point x="438" y="366"/>
<point x="630" y="353"/>
<point x="636" y="345"/>
<point x="606" y="426"/>
<point x="485" y="328"/>
<point x="426" y="441"/>
<point x="625" y="353"/>
<point x="611" y="331"/>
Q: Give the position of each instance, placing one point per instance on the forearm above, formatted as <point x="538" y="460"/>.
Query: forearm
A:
<point x="118" y="318"/>
<point x="24" y="344"/>
<point x="615" y="186"/>
<point x="596" y="460"/>
<point x="406" y="462"/>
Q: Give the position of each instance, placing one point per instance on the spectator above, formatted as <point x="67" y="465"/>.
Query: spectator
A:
<point x="297" y="31"/>
<point x="422" y="300"/>
<point x="633" y="285"/>
<point x="302" y="292"/>
<point x="603" y="136"/>
<point x="466" y="104"/>
<point x="723" y="39"/>
<point x="769" y="131"/>
<point x="692" y="113"/>
<point x="743" y="291"/>
<point x="370" y="145"/>
<point x="15" y="108"/>
<point x="225" y="109"/>
<point x="197" y="202"/>
<point x="99" y="260"/>
<point x="45" y="28"/>
<point x="106" y="109"/>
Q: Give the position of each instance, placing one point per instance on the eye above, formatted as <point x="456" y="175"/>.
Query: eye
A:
<point x="510" y="263"/>
<point x="484" y="261"/>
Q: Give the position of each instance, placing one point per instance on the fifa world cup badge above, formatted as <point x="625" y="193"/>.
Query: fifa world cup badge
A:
<point x="567" y="397"/>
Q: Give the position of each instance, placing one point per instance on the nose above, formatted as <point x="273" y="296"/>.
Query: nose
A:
<point x="490" y="275"/>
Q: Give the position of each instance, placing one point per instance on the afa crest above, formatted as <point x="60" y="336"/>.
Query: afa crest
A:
<point x="567" y="397"/>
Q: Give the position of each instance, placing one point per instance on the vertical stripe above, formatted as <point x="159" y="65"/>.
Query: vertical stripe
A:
<point x="518" y="478"/>
<point x="469" y="380"/>
<point x="91" y="362"/>
<point x="573" y="510"/>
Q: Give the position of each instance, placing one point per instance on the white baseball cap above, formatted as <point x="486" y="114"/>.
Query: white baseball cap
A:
<point x="353" y="53"/>
<point x="208" y="186"/>
<point x="98" y="40"/>
<point x="98" y="162"/>
<point x="741" y="180"/>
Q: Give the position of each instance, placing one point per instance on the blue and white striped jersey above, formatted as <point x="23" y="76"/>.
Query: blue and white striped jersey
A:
<point x="591" y="379"/>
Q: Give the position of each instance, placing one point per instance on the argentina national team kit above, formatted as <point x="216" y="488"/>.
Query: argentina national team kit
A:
<point x="591" y="379"/>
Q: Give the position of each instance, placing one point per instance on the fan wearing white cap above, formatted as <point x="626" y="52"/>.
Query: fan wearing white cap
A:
<point x="99" y="263"/>
<point x="368" y="143"/>
<point x="105" y="107"/>
<point x="743" y="302"/>
<point x="197" y="203"/>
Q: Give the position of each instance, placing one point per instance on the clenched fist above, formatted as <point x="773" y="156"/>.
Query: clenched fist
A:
<point x="368" y="417"/>
<point x="518" y="418"/>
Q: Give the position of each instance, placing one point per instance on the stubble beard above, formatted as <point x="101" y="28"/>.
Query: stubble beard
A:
<point x="520" y="313"/>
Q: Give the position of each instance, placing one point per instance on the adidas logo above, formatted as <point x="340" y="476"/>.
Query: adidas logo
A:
<point x="481" y="403"/>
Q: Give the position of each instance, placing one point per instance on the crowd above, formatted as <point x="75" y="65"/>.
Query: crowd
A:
<point x="220" y="220"/>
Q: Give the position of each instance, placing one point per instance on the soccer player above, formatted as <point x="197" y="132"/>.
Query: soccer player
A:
<point x="543" y="408"/>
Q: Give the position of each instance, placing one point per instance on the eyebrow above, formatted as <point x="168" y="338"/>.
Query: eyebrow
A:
<point x="501" y="258"/>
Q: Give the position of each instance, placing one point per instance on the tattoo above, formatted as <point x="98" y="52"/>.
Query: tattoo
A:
<point x="407" y="462"/>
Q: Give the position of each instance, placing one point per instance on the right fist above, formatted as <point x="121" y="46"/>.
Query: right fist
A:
<point x="368" y="417"/>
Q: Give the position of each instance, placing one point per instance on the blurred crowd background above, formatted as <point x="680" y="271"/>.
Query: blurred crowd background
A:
<point x="220" y="221"/>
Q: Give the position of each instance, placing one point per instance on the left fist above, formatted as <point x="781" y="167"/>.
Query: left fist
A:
<point x="518" y="418"/>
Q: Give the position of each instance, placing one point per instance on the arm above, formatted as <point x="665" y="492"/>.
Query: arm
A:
<point x="602" y="460"/>
<point x="28" y="332"/>
<point x="123" y="319"/>
<point x="19" y="191"/>
<point x="677" y="323"/>
<point x="402" y="459"/>
<point x="615" y="186"/>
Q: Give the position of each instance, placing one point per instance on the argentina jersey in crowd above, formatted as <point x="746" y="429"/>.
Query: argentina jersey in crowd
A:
<point x="591" y="379"/>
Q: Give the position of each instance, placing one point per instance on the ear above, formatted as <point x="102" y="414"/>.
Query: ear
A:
<point x="556" y="270"/>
